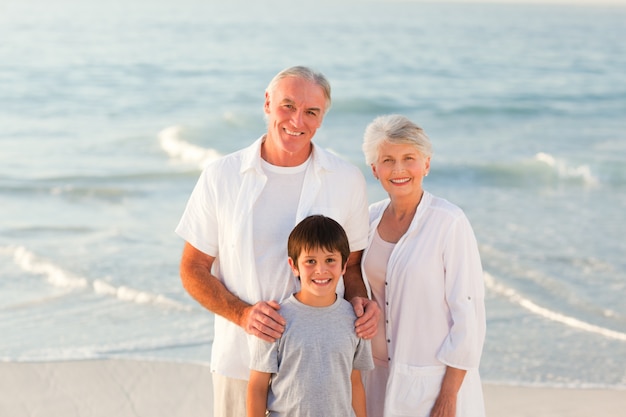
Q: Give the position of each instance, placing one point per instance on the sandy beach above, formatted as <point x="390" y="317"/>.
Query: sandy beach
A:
<point x="128" y="388"/>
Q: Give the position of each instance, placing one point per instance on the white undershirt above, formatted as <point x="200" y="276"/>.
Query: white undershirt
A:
<point x="274" y="219"/>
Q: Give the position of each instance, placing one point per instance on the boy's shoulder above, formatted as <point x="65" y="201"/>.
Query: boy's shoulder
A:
<point x="346" y="307"/>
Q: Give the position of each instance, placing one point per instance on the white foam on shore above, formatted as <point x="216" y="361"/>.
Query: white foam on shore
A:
<point x="183" y="151"/>
<point x="58" y="277"/>
<point x="517" y="298"/>
<point x="55" y="275"/>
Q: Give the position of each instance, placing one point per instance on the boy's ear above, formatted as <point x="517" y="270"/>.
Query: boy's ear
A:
<point x="294" y="268"/>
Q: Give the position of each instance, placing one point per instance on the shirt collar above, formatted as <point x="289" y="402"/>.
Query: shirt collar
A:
<point x="252" y="158"/>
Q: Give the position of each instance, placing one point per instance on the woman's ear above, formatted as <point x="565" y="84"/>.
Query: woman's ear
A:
<point x="374" y="171"/>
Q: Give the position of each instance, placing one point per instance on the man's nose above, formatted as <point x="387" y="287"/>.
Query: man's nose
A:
<point x="296" y="118"/>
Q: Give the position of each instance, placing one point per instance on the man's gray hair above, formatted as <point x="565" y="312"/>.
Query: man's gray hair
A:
<point x="304" y="73"/>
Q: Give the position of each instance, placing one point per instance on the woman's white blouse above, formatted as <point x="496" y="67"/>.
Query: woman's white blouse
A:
<point x="434" y="301"/>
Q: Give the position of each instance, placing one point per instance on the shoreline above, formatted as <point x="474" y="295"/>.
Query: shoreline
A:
<point x="132" y="388"/>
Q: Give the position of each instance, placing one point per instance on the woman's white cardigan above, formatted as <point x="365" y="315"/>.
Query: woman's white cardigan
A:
<point x="434" y="305"/>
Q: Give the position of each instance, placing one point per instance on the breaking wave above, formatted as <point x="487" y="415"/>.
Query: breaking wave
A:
<point x="517" y="298"/>
<point x="59" y="277"/>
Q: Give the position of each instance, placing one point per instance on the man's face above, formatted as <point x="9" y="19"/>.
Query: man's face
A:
<point x="295" y="110"/>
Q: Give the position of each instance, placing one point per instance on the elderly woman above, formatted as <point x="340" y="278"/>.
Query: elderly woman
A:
<point x="424" y="269"/>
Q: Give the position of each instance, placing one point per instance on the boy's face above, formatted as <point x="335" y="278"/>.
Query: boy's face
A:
<point x="319" y="271"/>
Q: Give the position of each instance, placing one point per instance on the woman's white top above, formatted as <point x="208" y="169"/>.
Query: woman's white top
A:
<point x="434" y="308"/>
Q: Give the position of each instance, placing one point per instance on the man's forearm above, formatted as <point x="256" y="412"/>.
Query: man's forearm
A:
<point x="206" y="289"/>
<point x="353" y="277"/>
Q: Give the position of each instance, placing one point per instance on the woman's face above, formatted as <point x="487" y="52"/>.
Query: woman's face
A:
<point x="400" y="168"/>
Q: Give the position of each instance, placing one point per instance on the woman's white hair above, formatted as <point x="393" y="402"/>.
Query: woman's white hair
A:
<point x="394" y="129"/>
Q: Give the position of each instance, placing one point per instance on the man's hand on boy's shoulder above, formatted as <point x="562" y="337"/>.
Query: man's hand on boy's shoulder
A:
<point x="368" y="314"/>
<point x="262" y="320"/>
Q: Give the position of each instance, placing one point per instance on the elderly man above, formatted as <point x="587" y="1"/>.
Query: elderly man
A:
<point x="238" y="219"/>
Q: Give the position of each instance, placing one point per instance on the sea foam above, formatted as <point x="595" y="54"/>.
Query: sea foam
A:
<point x="59" y="277"/>
<point x="178" y="149"/>
<point x="566" y="172"/>
<point x="517" y="298"/>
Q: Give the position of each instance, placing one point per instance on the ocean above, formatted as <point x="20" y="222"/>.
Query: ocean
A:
<point x="109" y="111"/>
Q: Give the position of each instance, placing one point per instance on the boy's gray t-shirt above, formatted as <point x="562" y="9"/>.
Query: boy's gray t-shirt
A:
<point x="312" y="362"/>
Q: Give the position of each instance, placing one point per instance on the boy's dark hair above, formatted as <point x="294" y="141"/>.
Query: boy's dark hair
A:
<point x="315" y="232"/>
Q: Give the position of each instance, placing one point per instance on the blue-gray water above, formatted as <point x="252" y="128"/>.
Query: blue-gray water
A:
<point x="108" y="111"/>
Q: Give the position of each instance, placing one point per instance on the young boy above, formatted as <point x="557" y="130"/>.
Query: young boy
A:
<point x="314" y="368"/>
